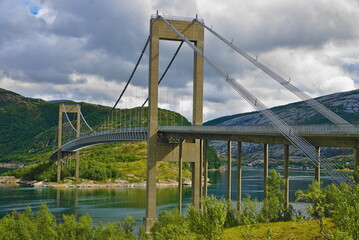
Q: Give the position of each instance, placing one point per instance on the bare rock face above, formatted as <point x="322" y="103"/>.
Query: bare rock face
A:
<point x="345" y="104"/>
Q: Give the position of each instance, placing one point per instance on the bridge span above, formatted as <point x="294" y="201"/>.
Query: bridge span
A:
<point x="317" y="135"/>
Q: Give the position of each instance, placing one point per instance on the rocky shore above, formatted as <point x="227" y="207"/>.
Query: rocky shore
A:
<point x="10" y="180"/>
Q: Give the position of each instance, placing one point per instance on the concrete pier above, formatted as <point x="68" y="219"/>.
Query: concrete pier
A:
<point x="239" y="179"/>
<point x="229" y="163"/>
<point x="265" y="163"/>
<point x="317" y="168"/>
<point x="286" y="176"/>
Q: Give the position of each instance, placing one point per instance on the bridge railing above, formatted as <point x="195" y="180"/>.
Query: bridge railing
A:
<point x="304" y="129"/>
<point x="185" y="19"/>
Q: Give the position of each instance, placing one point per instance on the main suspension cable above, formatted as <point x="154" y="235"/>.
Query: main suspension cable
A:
<point x="162" y="76"/>
<point x="133" y="72"/>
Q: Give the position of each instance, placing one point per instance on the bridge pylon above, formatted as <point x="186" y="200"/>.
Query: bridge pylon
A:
<point x="68" y="108"/>
<point x="161" y="150"/>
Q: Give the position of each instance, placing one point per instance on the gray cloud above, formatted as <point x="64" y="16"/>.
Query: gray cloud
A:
<point x="86" y="49"/>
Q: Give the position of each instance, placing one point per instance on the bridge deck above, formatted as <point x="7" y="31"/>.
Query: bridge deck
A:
<point x="317" y="135"/>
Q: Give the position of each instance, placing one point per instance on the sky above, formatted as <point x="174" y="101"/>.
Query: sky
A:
<point x="85" y="50"/>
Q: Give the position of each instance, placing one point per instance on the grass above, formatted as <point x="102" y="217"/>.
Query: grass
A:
<point x="302" y="230"/>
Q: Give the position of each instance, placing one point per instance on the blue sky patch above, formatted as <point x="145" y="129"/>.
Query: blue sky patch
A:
<point x="33" y="8"/>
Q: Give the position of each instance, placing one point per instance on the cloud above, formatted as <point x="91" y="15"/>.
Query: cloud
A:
<point x="85" y="50"/>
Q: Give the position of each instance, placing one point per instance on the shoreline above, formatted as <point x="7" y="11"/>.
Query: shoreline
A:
<point x="11" y="180"/>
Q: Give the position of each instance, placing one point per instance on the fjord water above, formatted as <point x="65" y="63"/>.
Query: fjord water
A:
<point x="113" y="204"/>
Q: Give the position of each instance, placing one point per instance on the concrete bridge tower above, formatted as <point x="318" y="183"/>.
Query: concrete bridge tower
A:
<point x="190" y="150"/>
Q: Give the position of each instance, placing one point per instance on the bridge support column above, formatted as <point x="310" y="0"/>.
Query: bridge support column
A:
<point x="205" y="168"/>
<point x="317" y="168"/>
<point x="265" y="182"/>
<point x="59" y="144"/>
<point x="180" y="159"/>
<point x="151" y="196"/>
<point x="201" y="171"/>
<point x="239" y="180"/>
<point x="196" y="179"/>
<point x="58" y="174"/>
<point x="356" y="165"/>
<point x="286" y="176"/>
<point x="229" y="162"/>
<point x="77" y="166"/>
<point x="77" y="154"/>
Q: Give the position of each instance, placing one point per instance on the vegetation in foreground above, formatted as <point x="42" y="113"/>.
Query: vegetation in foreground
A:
<point x="333" y="215"/>
<point x="304" y="230"/>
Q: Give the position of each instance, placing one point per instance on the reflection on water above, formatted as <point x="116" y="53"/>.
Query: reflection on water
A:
<point x="112" y="204"/>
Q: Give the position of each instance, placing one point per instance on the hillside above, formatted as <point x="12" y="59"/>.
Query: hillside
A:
<point x="29" y="126"/>
<point x="345" y="104"/>
<point x="28" y="132"/>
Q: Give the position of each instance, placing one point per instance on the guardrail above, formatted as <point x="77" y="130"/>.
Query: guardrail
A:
<point x="303" y="129"/>
<point x="185" y="19"/>
<point x="140" y="133"/>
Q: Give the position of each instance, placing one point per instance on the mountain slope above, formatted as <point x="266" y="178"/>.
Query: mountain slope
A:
<point x="28" y="125"/>
<point x="345" y="104"/>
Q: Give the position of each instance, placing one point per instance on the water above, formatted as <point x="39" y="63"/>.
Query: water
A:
<point x="113" y="204"/>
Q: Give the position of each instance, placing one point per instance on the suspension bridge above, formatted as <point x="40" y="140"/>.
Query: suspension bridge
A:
<point x="188" y="143"/>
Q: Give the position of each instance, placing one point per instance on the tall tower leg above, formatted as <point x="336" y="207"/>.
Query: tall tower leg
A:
<point x="180" y="177"/>
<point x="265" y="182"/>
<point x="239" y="183"/>
<point x="205" y="168"/>
<point x="229" y="179"/>
<point x="286" y="176"/>
<point x="152" y="128"/>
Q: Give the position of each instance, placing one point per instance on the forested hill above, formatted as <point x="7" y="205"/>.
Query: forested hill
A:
<point x="28" y="129"/>
<point x="28" y="126"/>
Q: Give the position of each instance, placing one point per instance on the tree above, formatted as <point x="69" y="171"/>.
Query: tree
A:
<point x="273" y="204"/>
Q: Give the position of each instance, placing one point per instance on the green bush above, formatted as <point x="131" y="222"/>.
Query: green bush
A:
<point x="273" y="204"/>
<point x="208" y="222"/>
<point x="341" y="204"/>
<point x="171" y="225"/>
<point x="250" y="211"/>
<point x="27" y="226"/>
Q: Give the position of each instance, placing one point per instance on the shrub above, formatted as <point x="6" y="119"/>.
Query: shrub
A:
<point x="171" y="225"/>
<point x="249" y="214"/>
<point x="208" y="222"/>
<point x="273" y="204"/>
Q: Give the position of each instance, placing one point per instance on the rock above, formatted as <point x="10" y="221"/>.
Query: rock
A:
<point x="38" y="184"/>
<point x="9" y="180"/>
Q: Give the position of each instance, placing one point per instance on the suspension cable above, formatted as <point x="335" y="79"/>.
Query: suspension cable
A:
<point x="86" y="122"/>
<point x="133" y="72"/>
<point x="68" y="119"/>
<point x="162" y="76"/>
<point x="308" y="150"/>
<point x="327" y="113"/>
